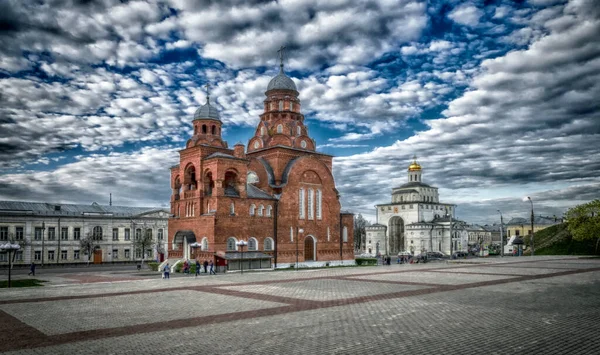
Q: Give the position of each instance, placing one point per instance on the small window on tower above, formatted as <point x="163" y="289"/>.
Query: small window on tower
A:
<point x="256" y="145"/>
<point x="298" y="130"/>
<point x="262" y="130"/>
<point x="303" y="144"/>
<point x="291" y="106"/>
<point x="279" y="128"/>
<point x="280" y="105"/>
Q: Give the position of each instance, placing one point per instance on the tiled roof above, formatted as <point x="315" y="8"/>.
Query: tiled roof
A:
<point x="66" y="209"/>
<point x="255" y="192"/>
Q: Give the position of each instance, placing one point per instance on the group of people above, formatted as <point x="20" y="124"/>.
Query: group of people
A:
<point x="209" y="267"/>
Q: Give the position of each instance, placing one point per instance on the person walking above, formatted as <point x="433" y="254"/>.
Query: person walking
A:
<point x="205" y="266"/>
<point x="212" y="268"/>
<point x="166" y="271"/>
<point x="197" y="267"/>
<point x="32" y="269"/>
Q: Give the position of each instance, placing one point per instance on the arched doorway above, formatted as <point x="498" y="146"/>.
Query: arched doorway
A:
<point x="309" y="249"/>
<point x="396" y="228"/>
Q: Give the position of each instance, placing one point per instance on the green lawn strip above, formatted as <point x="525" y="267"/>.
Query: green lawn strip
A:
<point x="22" y="283"/>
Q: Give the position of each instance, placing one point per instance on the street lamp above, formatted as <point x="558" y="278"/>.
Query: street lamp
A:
<point x="300" y="230"/>
<point x="43" y="232"/>
<point x="10" y="248"/>
<point x="532" y="246"/>
<point x="242" y="244"/>
<point x="501" y="235"/>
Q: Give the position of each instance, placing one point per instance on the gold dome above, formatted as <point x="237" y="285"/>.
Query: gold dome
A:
<point x="414" y="166"/>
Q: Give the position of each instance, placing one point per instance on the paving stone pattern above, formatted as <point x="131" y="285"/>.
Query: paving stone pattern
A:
<point x="529" y="305"/>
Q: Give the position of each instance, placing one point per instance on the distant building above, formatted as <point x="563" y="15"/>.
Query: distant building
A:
<point x="478" y="235"/>
<point x="415" y="221"/>
<point x="522" y="226"/>
<point x="52" y="231"/>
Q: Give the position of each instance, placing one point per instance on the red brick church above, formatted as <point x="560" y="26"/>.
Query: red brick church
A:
<point x="278" y="195"/>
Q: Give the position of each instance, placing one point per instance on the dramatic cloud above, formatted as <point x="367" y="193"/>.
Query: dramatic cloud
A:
<point x="497" y="101"/>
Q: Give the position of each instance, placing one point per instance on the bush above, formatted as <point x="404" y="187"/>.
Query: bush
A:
<point x="179" y="268"/>
<point x="366" y="261"/>
<point x="153" y="266"/>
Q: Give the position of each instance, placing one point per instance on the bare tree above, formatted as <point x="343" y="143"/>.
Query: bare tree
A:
<point x="144" y="242"/>
<point x="89" y="244"/>
<point x="359" y="231"/>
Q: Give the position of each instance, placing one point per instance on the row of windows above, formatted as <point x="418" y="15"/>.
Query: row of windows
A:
<point x="313" y="206"/>
<point x="261" y="210"/>
<point x="281" y="106"/>
<point x="279" y="129"/>
<point x="50" y="234"/>
<point x="414" y="198"/>
<point x="252" y="244"/>
<point x="427" y="207"/>
<point x="214" y="129"/>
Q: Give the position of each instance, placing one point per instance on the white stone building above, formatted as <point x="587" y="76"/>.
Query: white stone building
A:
<point x="51" y="232"/>
<point x="415" y="221"/>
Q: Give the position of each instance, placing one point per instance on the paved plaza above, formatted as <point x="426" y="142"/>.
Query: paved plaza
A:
<point x="528" y="305"/>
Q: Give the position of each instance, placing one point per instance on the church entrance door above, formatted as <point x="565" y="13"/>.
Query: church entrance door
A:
<point x="309" y="249"/>
<point x="396" y="230"/>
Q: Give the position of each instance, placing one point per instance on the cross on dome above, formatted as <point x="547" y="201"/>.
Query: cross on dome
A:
<point x="207" y="93"/>
<point x="281" y="54"/>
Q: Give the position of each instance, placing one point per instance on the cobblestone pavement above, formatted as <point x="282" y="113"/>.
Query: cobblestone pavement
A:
<point x="528" y="305"/>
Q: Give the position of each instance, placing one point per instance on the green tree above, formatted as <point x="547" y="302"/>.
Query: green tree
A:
<point x="359" y="231"/>
<point x="583" y="221"/>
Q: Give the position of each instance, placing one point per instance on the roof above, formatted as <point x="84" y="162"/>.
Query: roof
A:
<point x="65" y="209"/>
<point x="375" y="226"/>
<point x="222" y="155"/>
<point x="247" y="255"/>
<point x="255" y="192"/>
<point x="281" y="82"/>
<point x="412" y="184"/>
<point x="404" y="191"/>
<point x="207" y="111"/>
<point x="538" y="220"/>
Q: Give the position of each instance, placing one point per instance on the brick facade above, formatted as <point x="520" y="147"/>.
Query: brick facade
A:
<point x="220" y="193"/>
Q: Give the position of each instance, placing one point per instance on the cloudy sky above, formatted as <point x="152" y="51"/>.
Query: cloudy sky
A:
<point x="498" y="99"/>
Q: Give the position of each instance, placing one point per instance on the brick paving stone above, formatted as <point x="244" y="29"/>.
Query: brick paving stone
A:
<point x="338" y="311"/>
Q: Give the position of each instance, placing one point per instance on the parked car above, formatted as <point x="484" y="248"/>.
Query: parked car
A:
<point x="435" y="255"/>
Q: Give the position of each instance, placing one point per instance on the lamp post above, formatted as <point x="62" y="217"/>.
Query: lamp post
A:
<point x="501" y="235"/>
<point x="10" y="248"/>
<point x="532" y="245"/>
<point x="299" y="230"/>
<point x="43" y="232"/>
<point x="242" y="244"/>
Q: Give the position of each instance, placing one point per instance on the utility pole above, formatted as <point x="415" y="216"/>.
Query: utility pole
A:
<point x="43" y="232"/>
<point x="501" y="235"/>
<point x="532" y="217"/>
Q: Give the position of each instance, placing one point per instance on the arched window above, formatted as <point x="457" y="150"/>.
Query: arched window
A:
<point x="256" y="145"/>
<point x="97" y="233"/>
<point x="279" y="128"/>
<point x="252" y="244"/>
<point x="328" y="234"/>
<point x="298" y="130"/>
<point x="232" y="209"/>
<point x="149" y="233"/>
<point x="261" y="210"/>
<point x="311" y="198"/>
<point x="138" y="234"/>
<point x="213" y="129"/>
<point x="269" y="209"/>
<point x="231" y="246"/>
<point x="411" y="177"/>
<point x="252" y="209"/>
<point x="204" y="244"/>
<point x="319" y="197"/>
<point x="272" y="105"/>
<point x="291" y="106"/>
<point x="268" y="244"/>
<point x="345" y="234"/>
<point x="262" y="131"/>
<point x="301" y="203"/>
<point x="291" y="234"/>
<point x="280" y="105"/>
<point x="204" y="128"/>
